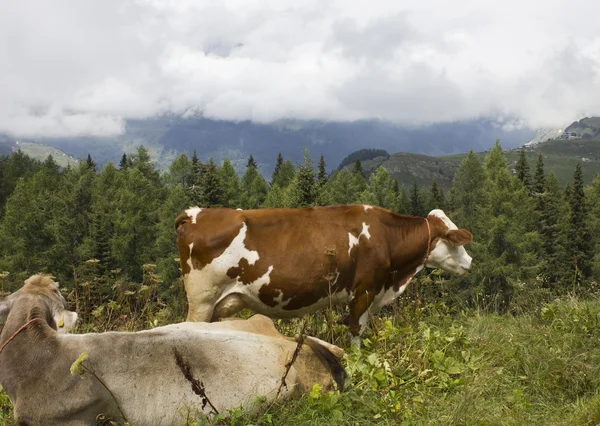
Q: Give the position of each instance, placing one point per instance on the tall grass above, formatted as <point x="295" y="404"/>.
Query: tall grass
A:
<point x="424" y="363"/>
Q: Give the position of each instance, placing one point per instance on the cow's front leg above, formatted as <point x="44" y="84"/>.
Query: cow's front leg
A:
<point x="359" y="314"/>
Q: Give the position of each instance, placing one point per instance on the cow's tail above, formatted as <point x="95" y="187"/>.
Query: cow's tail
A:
<point x="325" y="352"/>
<point x="181" y="219"/>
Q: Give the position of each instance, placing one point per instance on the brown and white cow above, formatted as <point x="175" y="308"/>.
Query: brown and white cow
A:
<point x="287" y="262"/>
<point x="156" y="376"/>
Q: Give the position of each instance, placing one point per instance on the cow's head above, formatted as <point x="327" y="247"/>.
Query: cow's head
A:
<point x="41" y="291"/>
<point x="447" y="251"/>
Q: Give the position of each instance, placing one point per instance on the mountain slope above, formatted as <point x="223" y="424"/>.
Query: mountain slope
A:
<point x="168" y="135"/>
<point x="560" y="157"/>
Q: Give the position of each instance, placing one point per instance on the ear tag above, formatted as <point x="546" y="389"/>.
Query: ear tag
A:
<point x="61" y="321"/>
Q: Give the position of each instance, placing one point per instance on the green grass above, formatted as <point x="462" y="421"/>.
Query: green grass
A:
<point x="560" y="157"/>
<point x="430" y="366"/>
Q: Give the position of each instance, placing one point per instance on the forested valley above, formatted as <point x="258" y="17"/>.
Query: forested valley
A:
<point x="515" y="341"/>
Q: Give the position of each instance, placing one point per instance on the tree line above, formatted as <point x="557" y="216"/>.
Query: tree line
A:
<point x="80" y="222"/>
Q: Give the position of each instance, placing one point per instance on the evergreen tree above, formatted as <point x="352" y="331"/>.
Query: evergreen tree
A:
<point x="594" y="220"/>
<point x="142" y="161"/>
<point x="180" y="171"/>
<point x="213" y="186"/>
<point x="284" y="175"/>
<point x="341" y="188"/>
<point x="91" y="164"/>
<point x="13" y="168"/>
<point x="322" y="173"/>
<point x="579" y="247"/>
<point x="253" y="187"/>
<point x="468" y="195"/>
<point x="416" y="202"/>
<point x="231" y="184"/>
<point x="252" y="162"/>
<point x="135" y="223"/>
<point x="166" y="241"/>
<point x="357" y="168"/>
<point x="381" y="190"/>
<point x="403" y="204"/>
<point x="196" y="190"/>
<point x="302" y="191"/>
<point x="522" y="170"/>
<point x="550" y="213"/>
<point x="278" y="164"/>
<point x="27" y="234"/>
<point x="539" y="180"/>
<point x="125" y="162"/>
<point x="436" y="196"/>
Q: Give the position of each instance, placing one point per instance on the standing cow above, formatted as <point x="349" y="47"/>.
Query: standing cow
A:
<point x="287" y="262"/>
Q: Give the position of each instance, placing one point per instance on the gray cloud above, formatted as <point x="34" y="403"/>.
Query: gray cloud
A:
<point x="76" y="68"/>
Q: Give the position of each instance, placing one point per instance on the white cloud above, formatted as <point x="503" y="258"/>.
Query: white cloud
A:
<point x="73" y="68"/>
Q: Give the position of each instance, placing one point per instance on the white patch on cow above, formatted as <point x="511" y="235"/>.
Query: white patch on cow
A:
<point x="189" y="261"/>
<point x="367" y="207"/>
<point x="193" y="212"/>
<point x="446" y="256"/>
<point x="353" y="241"/>
<point x="441" y="215"/>
<point x="362" y="321"/>
<point x="205" y="286"/>
<point x="239" y="209"/>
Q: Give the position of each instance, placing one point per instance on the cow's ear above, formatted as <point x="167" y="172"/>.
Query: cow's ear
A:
<point x="459" y="237"/>
<point x="4" y="308"/>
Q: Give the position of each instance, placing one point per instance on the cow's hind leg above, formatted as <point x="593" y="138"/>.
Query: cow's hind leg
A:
<point x="202" y="298"/>
<point x="359" y="315"/>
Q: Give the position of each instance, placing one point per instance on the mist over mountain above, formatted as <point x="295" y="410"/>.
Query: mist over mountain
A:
<point x="167" y="136"/>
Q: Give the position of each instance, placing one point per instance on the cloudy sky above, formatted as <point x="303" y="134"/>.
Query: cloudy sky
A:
<point x="82" y="67"/>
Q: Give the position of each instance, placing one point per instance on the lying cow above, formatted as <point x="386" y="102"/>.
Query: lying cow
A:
<point x="288" y="262"/>
<point x="158" y="377"/>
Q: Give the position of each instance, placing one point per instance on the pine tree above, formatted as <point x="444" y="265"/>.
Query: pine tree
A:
<point x="341" y="188"/>
<point x="91" y="164"/>
<point x="214" y="190"/>
<point x="125" y="162"/>
<point x="253" y="187"/>
<point x="180" y="171"/>
<point x="284" y="175"/>
<point x="594" y="220"/>
<point x="252" y="162"/>
<point x="404" y="206"/>
<point x="579" y="247"/>
<point x="554" y="262"/>
<point x="277" y="168"/>
<point x="302" y="191"/>
<point x="196" y="190"/>
<point x="322" y="173"/>
<point x="231" y="184"/>
<point x="469" y="198"/>
<point x="438" y="200"/>
<point x="522" y="170"/>
<point x="416" y="202"/>
<point x="381" y="190"/>
<point x="357" y="168"/>
<point x="539" y="180"/>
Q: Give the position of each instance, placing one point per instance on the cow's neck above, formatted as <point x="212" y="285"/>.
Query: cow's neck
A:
<point x="30" y="343"/>
<point x="409" y="248"/>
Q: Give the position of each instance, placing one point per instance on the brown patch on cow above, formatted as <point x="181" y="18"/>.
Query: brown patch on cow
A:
<point x="459" y="237"/>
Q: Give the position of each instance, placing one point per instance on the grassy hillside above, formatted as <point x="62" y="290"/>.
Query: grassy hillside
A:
<point x="422" y="364"/>
<point x="560" y="157"/>
<point x="587" y="128"/>
<point x="40" y="152"/>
